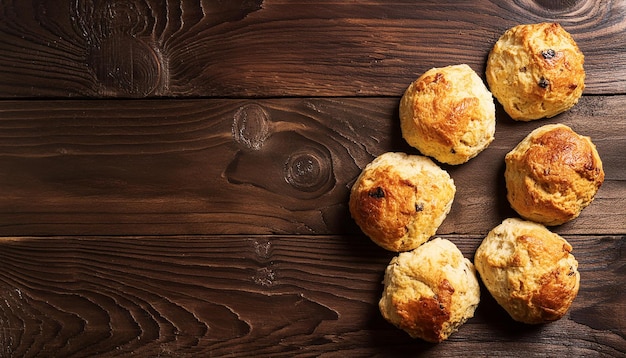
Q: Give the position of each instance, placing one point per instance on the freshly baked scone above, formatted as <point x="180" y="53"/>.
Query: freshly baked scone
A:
<point x="448" y="114"/>
<point x="536" y="71"/>
<point x="430" y="291"/>
<point x="528" y="270"/>
<point x="552" y="175"/>
<point x="400" y="200"/>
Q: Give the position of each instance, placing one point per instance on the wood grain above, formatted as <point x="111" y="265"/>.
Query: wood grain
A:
<point x="281" y="166"/>
<point x="175" y="175"/>
<point x="136" y="48"/>
<point x="190" y="296"/>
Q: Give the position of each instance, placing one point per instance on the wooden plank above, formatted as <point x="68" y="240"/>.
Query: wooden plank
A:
<point x="266" y="296"/>
<point x="208" y="216"/>
<point x="280" y="166"/>
<point x="276" y="48"/>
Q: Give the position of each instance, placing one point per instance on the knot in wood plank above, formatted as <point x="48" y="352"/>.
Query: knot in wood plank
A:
<point x="563" y="10"/>
<point x="124" y="65"/>
<point x="264" y="276"/>
<point x="122" y="59"/>
<point x="308" y="170"/>
<point x="251" y="126"/>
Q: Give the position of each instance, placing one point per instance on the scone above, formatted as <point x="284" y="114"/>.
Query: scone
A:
<point x="528" y="270"/>
<point x="448" y="114"/>
<point x="552" y="175"/>
<point x="430" y="291"/>
<point x="400" y="200"/>
<point x="536" y="71"/>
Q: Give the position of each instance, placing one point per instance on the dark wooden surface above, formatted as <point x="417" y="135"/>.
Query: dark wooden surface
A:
<point x="175" y="175"/>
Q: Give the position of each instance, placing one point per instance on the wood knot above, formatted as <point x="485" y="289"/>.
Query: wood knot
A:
<point x="264" y="276"/>
<point x="251" y="126"/>
<point x="556" y="5"/>
<point x="558" y="10"/>
<point x="263" y="248"/>
<point x="308" y="170"/>
<point x="126" y="66"/>
<point x="122" y="63"/>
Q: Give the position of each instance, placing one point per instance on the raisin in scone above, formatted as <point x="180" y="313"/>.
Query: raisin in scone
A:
<point x="536" y="71"/>
<point x="400" y="200"/>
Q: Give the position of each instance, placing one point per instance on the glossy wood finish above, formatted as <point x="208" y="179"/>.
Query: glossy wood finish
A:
<point x="175" y="175"/>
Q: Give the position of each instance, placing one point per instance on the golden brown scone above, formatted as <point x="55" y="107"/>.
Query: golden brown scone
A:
<point x="536" y="71"/>
<point x="448" y="114"/>
<point x="400" y="200"/>
<point x="430" y="291"/>
<point x="528" y="270"/>
<point x="552" y="175"/>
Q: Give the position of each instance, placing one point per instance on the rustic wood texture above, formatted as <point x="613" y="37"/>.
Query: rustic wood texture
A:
<point x="265" y="296"/>
<point x="85" y="48"/>
<point x="175" y="175"/>
<point x="275" y="166"/>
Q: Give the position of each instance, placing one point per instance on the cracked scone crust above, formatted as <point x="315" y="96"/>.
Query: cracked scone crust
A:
<point x="536" y="71"/>
<point x="399" y="200"/>
<point x="430" y="291"/>
<point x="552" y="175"/>
<point x="448" y="114"/>
<point x="528" y="270"/>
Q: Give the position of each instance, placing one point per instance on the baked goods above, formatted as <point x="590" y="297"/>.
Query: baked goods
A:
<point x="536" y="71"/>
<point x="400" y="200"/>
<point x="528" y="270"/>
<point x="552" y="174"/>
<point x="430" y="291"/>
<point x="448" y="114"/>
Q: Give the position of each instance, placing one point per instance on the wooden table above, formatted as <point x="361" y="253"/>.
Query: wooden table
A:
<point x="175" y="175"/>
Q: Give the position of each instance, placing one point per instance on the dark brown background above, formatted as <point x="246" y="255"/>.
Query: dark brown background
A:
<point x="175" y="175"/>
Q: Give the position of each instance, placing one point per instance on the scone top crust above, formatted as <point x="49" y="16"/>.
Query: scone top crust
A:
<point x="553" y="174"/>
<point x="536" y="71"/>
<point x="430" y="291"/>
<point x="400" y="200"/>
<point x="528" y="270"/>
<point x="448" y="114"/>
